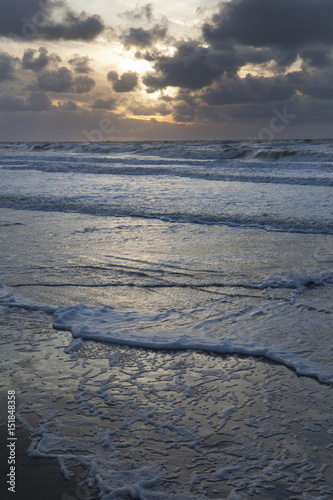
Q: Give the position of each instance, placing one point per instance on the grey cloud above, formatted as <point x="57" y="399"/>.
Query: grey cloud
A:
<point x="317" y="84"/>
<point x="316" y="56"/>
<point x="249" y="90"/>
<point x="320" y="92"/>
<point x="63" y="80"/>
<point x="184" y="113"/>
<point x="8" y="64"/>
<point x="36" y="101"/>
<point x="29" y="19"/>
<point x="38" y="62"/>
<point x="83" y="84"/>
<point x="74" y="27"/>
<point x="154" y="82"/>
<point x="112" y="76"/>
<point x="126" y="83"/>
<point x="149" y="110"/>
<point x="60" y="80"/>
<point x="144" y="12"/>
<point x="107" y="104"/>
<point x="143" y="38"/>
<point x="68" y="105"/>
<point x="80" y="64"/>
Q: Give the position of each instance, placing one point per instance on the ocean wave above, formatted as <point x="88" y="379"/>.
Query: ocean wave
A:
<point x="98" y="208"/>
<point x="213" y="175"/>
<point x="207" y="170"/>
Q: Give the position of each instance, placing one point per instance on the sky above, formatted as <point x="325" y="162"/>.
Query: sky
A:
<point x="78" y="70"/>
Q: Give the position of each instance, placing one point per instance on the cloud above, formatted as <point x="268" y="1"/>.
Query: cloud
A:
<point x="140" y="13"/>
<point x="188" y="68"/>
<point x="39" y="19"/>
<point x="83" y="84"/>
<point x="68" y="105"/>
<point x="316" y="55"/>
<point x="107" y="104"/>
<point x="259" y="36"/>
<point x="38" y="63"/>
<point x="184" y="113"/>
<point x="63" y="80"/>
<point x="126" y="83"/>
<point x="75" y="27"/>
<point x="143" y="38"/>
<point x="281" y="23"/>
<point x="142" y="109"/>
<point x="194" y="66"/>
<point x="8" y="64"/>
<point x="36" y="101"/>
<point x="249" y="90"/>
<point x="60" y="80"/>
<point x="80" y="64"/>
<point x="290" y="29"/>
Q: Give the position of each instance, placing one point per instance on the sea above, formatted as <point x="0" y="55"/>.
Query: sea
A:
<point x="212" y="249"/>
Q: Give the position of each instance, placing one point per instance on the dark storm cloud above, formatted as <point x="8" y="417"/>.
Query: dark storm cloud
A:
<point x="38" y="62"/>
<point x="271" y="35"/>
<point x="80" y="64"/>
<point x="126" y="83"/>
<point x="8" y="64"/>
<point x="36" y="101"/>
<point x="143" y="38"/>
<point x="63" y="80"/>
<point x="193" y="66"/>
<point x="28" y="19"/>
<point x="283" y="23"/>
<point x="190" y="67"/>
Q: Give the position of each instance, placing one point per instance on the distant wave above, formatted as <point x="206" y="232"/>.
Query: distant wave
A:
<point x="209" y="150"/>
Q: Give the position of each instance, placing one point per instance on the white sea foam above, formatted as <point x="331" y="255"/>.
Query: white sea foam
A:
<point x="13" y="300"/>
<point x="289" y="333"/>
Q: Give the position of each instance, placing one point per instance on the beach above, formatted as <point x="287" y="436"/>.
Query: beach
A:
<point x="166" y="320"/>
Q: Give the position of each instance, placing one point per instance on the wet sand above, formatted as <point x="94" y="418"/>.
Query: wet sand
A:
<point x="36" y="478"/>
<point x="199" y="425"/>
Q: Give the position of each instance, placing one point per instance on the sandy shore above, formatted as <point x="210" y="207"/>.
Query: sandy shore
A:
<point x="161" y="424"/>
<point x="36" y="478"/>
